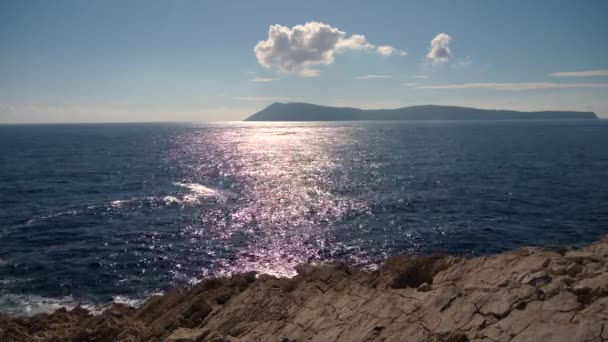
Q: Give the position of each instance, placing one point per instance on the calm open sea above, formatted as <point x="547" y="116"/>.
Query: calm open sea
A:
<point x="92" y="214"/>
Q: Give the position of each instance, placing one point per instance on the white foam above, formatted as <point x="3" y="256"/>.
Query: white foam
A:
<point x="198" y="191"/>
<point x="69" y="212"/>
<point x="29" y="305"/>
<point x="31" y="221"/>
<point x="171" y="200"/>
<point x="120" y="203"/>
<point x="128" y="301"/>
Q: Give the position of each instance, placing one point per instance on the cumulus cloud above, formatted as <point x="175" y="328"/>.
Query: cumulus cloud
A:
<point x="299" y="49"/>
<point x="439" y="51"/>
<point x="589" y="73"/>
<point x="368" y="77"/>
<point x="517" y="86"/>
<point x="264" y="79"/>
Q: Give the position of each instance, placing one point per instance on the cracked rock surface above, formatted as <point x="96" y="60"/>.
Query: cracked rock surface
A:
<point x="529" y="294"/>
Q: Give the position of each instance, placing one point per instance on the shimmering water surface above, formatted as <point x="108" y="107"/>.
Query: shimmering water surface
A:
<point x="100" y="213"/>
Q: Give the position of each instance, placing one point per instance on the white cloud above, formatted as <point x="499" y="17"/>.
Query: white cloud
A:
<point x="264" y="79"/>
<point x="368" y="77"/>
<point x="299" y="49"/>
<point x="419" y="76"/>
<point x="412" y="84"/>
<point x="589" y="73"/>
<point x="387" y="50"/>
<point x="439" y="51"/>
<point x="517" y="86"/>
<point x="355" y="42"/>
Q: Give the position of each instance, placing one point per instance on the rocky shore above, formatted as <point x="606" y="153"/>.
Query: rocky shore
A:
<point x="529" y="294"/>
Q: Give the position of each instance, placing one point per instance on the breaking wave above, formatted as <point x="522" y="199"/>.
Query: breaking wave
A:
<point x="29" y="305"/>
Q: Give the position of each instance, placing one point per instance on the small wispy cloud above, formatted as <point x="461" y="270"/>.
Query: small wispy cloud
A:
<point x="262" y="98"/>
<point x="369" y="77"/>
<point x="408" y="84"/>
<point x="517" y="86"/>
<point x="264" y="79"/>
<point x="310" y="73"/>
<point x="588" y="73"/>
<point x="250" y="72"/>
<point x="419" y="76"/>
<point x="462" y="63"/>
<point x="387" y="50"/>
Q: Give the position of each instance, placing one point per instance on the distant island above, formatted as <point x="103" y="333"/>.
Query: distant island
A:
<point x="312" y="112"/>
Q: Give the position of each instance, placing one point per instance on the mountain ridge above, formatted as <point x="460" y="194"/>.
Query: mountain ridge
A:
<point x="299" y="111"/>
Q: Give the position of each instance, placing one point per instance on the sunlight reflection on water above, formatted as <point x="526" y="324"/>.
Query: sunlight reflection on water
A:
<point x="284" y="203"/>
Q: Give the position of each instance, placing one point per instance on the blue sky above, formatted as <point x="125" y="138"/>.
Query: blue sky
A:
<point x="125" y="60"/>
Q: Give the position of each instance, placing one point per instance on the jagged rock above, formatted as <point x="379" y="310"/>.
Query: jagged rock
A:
<point x="596" y="285"/>
<point x="530" y="294"/>
<point x="574" y="269"/>
<point x="579" y="256"/>
<point x="536" y="278"/>
<point x="558" y="267"/>
<point x="187" y="335"/>
<point x="557" y="285"/>
<point x="424" y="287"/>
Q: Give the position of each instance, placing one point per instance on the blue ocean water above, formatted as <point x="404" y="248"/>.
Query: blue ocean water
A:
<point x="92" y="214"/>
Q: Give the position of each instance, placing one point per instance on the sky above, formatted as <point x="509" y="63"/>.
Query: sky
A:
<point x="186" y="60"/>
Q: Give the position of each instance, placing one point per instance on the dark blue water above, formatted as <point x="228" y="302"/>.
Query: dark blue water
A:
<point x="100" y="213"/>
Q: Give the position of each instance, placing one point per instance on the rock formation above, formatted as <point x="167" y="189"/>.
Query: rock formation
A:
<point x="529" y="294"/>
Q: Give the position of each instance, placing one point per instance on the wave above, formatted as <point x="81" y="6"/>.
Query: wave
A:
<point x="196" y="193"/>
<point x="33" y="221"/>
<point x="29" y="305"/>
<point x="199" y="191"/>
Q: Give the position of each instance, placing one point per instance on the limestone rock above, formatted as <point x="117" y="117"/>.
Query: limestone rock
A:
<point x="529" y="294"/>
<point x="580" y="256"/>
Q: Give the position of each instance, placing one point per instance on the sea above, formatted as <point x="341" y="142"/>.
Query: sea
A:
<point x="93" y="214"/>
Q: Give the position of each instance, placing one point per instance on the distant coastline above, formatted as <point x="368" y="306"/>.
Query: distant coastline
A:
<point x="311" y="112"/>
